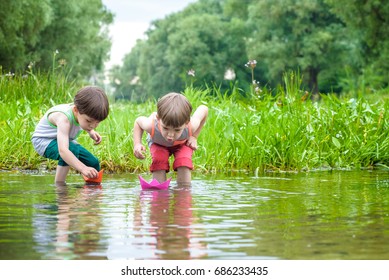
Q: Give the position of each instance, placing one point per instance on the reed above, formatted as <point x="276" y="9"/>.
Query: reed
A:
<point x="279" y="130"/>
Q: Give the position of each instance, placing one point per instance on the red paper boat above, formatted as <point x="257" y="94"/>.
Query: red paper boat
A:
<point x="154" y="184"/>
<point x="95" y="180"/>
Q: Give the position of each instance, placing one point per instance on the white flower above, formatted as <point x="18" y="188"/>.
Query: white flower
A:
<point x="229" y="74"/>
<point x="191" y="72"/>
<point x="135" y="80"/>
<point x="30" y="65"/>
<point x="251" y="64"/>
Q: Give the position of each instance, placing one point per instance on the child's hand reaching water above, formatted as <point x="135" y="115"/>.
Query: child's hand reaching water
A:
<point x="192" y="143"/>
<point x="139" y="151"/>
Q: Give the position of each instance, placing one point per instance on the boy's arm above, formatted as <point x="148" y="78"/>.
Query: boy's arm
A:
<point x="198" y="120"/>
<point x="141" y="124"/>
<point x="63" y="128"/>
<point x="95" y="136"/>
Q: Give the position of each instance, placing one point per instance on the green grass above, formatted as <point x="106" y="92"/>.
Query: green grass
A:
<point x="276" y="131"/>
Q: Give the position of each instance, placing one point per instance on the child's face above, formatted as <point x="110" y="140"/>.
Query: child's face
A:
<point x="86" y="123"/>
<point x="170" y="133"/>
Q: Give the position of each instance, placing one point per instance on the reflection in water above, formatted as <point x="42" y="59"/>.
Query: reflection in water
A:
<point x="79" y="221"/>
<point x="324" y="215"/>
<point x="169" y="222"/>
<point x="77" y="224"/>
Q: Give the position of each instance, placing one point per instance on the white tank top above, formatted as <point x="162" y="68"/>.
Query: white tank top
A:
<point x="45" y="131"/>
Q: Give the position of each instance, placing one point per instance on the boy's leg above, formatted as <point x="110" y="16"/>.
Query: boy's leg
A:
<point x="62" y="169"/>
<point x="184" y="175"/>
<point x="60" y="175"/>
<point x="78" y="151"/>
<point x="183" y="164"/>
<point x="160" y="164"/>
<point x="87" y="158"/>
<point x="160" y="175"/>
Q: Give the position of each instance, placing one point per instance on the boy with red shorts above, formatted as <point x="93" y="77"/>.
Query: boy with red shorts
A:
<point x="171" y="131"/>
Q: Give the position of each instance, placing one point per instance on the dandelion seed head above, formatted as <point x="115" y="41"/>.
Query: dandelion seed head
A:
<point x="30" y="65"/>
<point x="62" y="62"/>
<point x="135" y="80"/>
<point x="339" y="135"/>
<point x="229" y="74"/>
<point x="191" y="72"/>
<point x="251" y="64"/>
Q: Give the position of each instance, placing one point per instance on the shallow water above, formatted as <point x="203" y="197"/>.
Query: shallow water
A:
<point x="323" y="215"/>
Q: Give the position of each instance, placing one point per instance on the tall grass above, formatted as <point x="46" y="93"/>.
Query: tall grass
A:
<point x="288" y="131"/>
<point x="279" y="131"/>
<point x="23" y="101"/>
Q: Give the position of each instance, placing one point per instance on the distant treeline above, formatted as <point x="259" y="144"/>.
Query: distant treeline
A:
<point x="337" y="45"/>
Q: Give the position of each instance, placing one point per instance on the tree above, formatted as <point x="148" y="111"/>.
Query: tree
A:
<point x="20" y="25"/>
<point x="291" y="34"/>
<point x="207" y="44"/>
<point x="79" y="31"/>
<point x="32" y="31"/>
<point x="367" y="21"/>
<point x="199" y="38"/>
<point x="125" y="79"/>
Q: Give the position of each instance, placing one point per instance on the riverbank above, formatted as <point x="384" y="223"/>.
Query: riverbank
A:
<point x="278" y="131"/>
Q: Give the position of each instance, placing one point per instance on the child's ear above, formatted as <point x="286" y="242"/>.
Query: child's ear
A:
<point x="75" y="110"/>
<point x="157" y="116"/>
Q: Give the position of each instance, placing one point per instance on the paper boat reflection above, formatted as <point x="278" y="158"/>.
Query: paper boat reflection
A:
<point x="154" y="184"/>
<point x="94" y="180"/>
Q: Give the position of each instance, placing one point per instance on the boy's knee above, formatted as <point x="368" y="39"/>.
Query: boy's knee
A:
<point x="158" y="165"/>
<point x="88" y="158"/>
<point x="183" y="162"/>
<point x="75" y="149"/>
<point x="94" y="162"/>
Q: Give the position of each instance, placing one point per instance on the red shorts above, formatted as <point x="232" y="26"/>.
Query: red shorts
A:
<point x="160" y="155"/>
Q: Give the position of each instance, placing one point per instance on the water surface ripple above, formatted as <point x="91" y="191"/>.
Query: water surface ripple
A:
<point x="322" y="215"/>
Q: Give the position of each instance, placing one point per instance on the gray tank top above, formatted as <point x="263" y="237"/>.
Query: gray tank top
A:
<point x="157" y="138"/>
<point x="45" y="131"/>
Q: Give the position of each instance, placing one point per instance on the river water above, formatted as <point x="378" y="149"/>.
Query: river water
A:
<point x="298" y="216"/>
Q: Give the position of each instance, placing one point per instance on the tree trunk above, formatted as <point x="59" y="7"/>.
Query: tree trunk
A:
<point x="313" y="74"/>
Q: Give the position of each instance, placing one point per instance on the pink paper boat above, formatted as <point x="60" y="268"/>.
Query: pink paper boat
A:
<point x="154" y="184"/>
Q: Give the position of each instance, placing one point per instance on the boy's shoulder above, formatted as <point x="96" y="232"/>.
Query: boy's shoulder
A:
<point x="146" y="123"/>
<point x="61" y="113"/>
<point x="60" y="108"/>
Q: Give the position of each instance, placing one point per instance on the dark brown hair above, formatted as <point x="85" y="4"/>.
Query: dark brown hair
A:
<point x="174" y="109"/>
<point x="93" y="102"/>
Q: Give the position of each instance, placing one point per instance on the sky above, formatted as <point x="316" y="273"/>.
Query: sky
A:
<point x="132" y="19"/>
